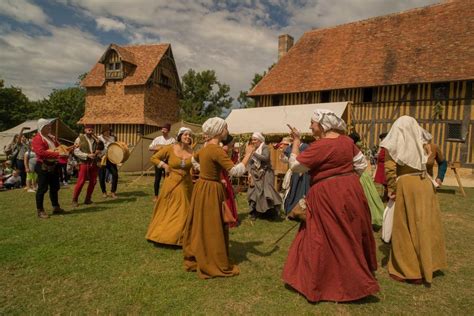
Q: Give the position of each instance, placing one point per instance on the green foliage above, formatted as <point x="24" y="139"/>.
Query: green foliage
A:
<point x="14" y="106"/>
<point x="65" y="104"/>
<point x="245" y="101"/>
<point x="203" y="96"/>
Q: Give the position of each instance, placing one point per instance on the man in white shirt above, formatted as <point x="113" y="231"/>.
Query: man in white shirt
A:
<point x="88" y="150"/>
<point x="158" y="143"/>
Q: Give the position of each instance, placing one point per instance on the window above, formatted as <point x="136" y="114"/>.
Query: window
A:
<point x="164" y="80"/>
<point x="276" y="100"/>
<point x="454" y="132"/>
<point x="325" y="96"/>
<point x="440" y="91"/>
<point x="110" y="66"/>
<point x="117" y="66"/>
<point x="367" y="94"/>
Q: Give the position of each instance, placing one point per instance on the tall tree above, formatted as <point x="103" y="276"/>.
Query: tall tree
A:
<point x="203" y="96"/>
<point x="14" y="106"/>
<point x="66" y="104"/>
<point x="245" y="101"/>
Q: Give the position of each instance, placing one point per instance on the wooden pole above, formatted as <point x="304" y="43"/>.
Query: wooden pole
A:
<point x="453" y="166"/>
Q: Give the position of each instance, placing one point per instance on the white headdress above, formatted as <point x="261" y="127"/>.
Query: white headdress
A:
<point x="213" y="126"/>
<point x="183" y="130"/>
<point x="258" y="136"/>
<point x="404" y="143"/>
<point x="328" y="120"/>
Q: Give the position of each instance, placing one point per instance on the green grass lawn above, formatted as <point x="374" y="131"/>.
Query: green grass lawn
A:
<point x="95" y="260"/>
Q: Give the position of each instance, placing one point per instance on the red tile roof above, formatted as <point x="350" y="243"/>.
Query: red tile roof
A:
<point x="429" y="44"/>
<point x="144" y="57"/>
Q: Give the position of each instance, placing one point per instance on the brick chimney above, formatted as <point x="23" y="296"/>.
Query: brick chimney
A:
<point x="285" y="42"/>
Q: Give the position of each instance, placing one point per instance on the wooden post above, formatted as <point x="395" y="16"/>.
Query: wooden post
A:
<point x="453" y="166"/>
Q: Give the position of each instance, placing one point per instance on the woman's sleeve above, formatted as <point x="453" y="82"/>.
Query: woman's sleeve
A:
<point x="196" y="165"/>
<point x="226" y="163"/>
<point x="265" y="156"/>
<point x="358" y="162"/>
<point x="306" y="160"/>
<point x="390" y="172"/>
<point x="441" y="161"/>
<point x="161" y="155"/>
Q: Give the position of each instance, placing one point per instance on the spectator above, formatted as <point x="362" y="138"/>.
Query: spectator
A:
<point x="31" y="176"/>
<point x="14" y="181"/>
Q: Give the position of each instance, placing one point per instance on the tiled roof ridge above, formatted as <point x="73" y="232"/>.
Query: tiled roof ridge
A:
<point x="380" y="17"/>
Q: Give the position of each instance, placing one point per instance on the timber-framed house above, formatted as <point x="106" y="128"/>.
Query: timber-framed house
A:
<point x="134" y="89"/>
<point x="418" y="62"/>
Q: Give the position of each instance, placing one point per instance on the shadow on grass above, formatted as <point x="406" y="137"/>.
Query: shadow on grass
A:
<point x="446" y="191"/>
<point x="385" y="249"/>
<point x="90" y="209"/>
<point x="116" y="201"/>
<point x="131" y="193"/>
<point x="164" y="246"/>
<point x="371" y="299"/>
<point x="239" y="250"/>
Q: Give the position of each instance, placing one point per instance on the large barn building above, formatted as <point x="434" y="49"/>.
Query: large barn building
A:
<point x="134" y="89"/>
<point x="418" y="62"/>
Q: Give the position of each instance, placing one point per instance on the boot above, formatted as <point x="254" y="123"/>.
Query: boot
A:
<point x="75" y="204"/>
<point x="42" y="214"/>
<point x="87" y="202"/>
<point x="58" y="210"/>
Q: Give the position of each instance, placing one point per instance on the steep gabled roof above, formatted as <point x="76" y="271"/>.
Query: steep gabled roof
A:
<point x="144" y="57"/>
<point x="429" y="44"/>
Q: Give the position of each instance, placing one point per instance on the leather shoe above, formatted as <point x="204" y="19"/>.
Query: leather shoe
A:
<point x="42" y="214"/>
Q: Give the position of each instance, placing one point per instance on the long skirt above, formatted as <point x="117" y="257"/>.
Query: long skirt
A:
<point x="373" y="198"/>
<point x="206" y="239"/>
<point x="333" y="255"/>
<point x="418" y="245"/>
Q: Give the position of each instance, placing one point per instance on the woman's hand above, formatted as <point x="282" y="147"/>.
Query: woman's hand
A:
<point x="438" y="180"/>
<point x="166" y="168"/>
<point x="392" y="195"/>
<point x="249" y="149"/>
<point x="294" y="133"/>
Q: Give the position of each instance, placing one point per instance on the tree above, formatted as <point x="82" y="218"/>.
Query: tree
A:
<point x="203" y="96"/>
<point x="65" y="104"/>
<point x="243" y="99"/>
<point x="14" y="106"/>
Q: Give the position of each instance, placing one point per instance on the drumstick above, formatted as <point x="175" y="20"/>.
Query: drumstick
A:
<point x="284" y="234"/>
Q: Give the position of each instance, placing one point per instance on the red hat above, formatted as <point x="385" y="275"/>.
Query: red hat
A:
<point x="88" y="125"/>
<point x="167" y="126"/>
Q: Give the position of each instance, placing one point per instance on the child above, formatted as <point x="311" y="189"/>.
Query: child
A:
<point x="31" y="176"/>
<point x="14" y="181"/>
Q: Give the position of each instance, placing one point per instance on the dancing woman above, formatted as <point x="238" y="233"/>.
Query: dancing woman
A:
<point x="206" y="239"/>
<point x="172" y="206"/>
<point x="332" y="257"/>
<point x="418" y="246"/>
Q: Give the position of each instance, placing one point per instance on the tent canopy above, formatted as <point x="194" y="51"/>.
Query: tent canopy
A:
<point x="273" y="120"/>
<point x="139" y="159"/>
<point x="59" y="129"/>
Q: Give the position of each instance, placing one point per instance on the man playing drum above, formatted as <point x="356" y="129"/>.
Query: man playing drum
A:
<point x="89" y="151"/>
<point x="156" y="145"/>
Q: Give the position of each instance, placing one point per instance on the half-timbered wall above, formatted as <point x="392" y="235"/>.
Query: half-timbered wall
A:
<point x="371" y="118"/>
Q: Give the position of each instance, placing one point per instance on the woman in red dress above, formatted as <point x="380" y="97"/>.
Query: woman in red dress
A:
<point x="333" y="255"/>
<point x="228" y="144"/>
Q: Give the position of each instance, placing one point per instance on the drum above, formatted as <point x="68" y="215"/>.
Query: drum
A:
<point x="118" y="152"/>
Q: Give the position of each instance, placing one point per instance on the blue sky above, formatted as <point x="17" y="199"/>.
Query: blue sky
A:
<point x="47" y="44"/>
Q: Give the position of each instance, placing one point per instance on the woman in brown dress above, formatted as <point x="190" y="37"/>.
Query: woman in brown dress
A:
<point x="206" y="239"/>
<point x="418" y="246"/>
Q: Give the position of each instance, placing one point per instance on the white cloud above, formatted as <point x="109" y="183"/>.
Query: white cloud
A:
<point x="23" y="11"/>
<point x="107" y="24"/>
<point x="236" y="40"/>
<point x="40" y="64"/>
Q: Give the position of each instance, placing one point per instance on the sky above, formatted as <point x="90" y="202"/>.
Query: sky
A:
<point x="47" y="44"/>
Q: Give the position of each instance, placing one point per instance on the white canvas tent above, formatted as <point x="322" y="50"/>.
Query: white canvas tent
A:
<point x="139" y="159"/>
<point x="59" y="129"/>
<point x="273" y="120"/>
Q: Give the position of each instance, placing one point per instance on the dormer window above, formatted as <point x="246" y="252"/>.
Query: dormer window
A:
<point x="114" y="70"/>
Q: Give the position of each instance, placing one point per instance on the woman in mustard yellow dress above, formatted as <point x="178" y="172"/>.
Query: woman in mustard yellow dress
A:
<point x="172" y="206"/>
<point x="418" y="244"/>
<point x="206" y="240"/>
